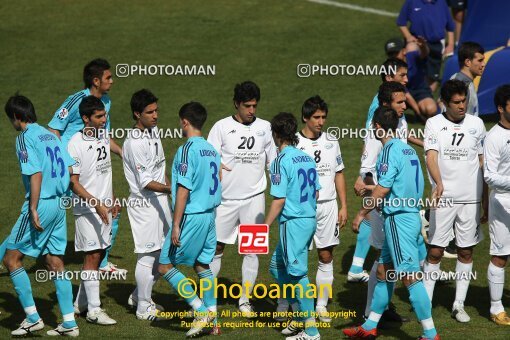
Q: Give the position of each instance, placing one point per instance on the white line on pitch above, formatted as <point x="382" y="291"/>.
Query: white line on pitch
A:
<point x="356" y="8"/>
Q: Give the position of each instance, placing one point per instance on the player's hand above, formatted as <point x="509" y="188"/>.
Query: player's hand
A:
<point x="356" y="222"/>
<point x="359" y="187"/>
<point x="176" y="232"/>
<point x="34" y="219"/>
<point x="420" y="41"/>
<point x="223" y="167"/>
<point x="437" y="193"/>
<point x="116" y="210"/>
<point x="103" y="211"/>
<point x="411" y="39"/>
<point x="342" y="217"/>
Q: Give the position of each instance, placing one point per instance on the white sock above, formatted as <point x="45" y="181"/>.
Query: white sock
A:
<point x="91" y="286"/>
<point x="81" y="296"/>
<point x="372" y="281"/>
<point x="496" y="278"/>
<point x="249" y="270"/>
<point x="324" y="283"/>
<point x="215" y="265"/>
<point x="144" y="280"/>
<point x="462" y="282"/>
<point x="428" y="278"/>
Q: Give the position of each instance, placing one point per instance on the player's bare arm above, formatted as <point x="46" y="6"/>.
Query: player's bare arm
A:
<point x="342" y="195"/>
<point x="274" y="210"/>
<point x="415" y="141"/>
<point x="378" y="193"/>
<point x="181" y="197"/>
<point x="159" y="187"/>
<point x="79" y="190"/>
<point x="115" y="148"/>
<point x="35" y="192"/>
<point x="55" y="132"/>
<point x="435" y="173"/>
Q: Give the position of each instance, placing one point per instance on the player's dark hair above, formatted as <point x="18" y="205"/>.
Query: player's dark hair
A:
<point x="20" y="107"/>
<point x="391" y="66"/>
<point x="284" y="126"/>
<point x="502" y="96"/>
<point x="451" y="88"/>
<point x="89" y="105"/>
<point x="386" y="117"/>
<point x="312" y="105"/>
<point x="467" y="50"/>
<point x="386" y="91"/>
<point x="94" y="69"/>
<point x="194" y="113"/>
<point x="140" y="99"/>
<point x="245" y="92"/>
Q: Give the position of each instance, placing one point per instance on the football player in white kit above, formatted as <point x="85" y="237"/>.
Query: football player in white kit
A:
<point x="91" y="182"/>
<point x="454" y="157"/>
<point x="325" y="151"/>
<point x="246" y="147"/>
<point x="391" y="94"/>
<point x="496" y="154"/>
<point x="144" y="168"/>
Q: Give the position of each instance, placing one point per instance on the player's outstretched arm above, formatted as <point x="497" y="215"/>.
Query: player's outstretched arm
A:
<point x="274" y="210"/>
<point x="181" y="197"/>
<point x="115" y="148"/>
<point x="377" y="195"/>
<point x="158" y="187"/>
<point x="35" y="193"/>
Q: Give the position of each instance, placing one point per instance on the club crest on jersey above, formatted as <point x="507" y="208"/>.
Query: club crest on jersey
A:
<point x="432" y="139"/>
<point x="183" y="168"/>
<point x="383" y="167"/>
<point x="23" y="156"/>
<point x="261" y="133"/>
<point x="472" y="131"/>
<point x="63" y="113"/>
<point x="77" y="162"/>
<point x="328" y="146"/>
<point x="339" y="160"/>
<point x="140" y="168"/>
<point x="276" y="179"/>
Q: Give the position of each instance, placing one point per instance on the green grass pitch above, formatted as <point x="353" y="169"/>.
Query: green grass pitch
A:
<point x="45" y="45"/>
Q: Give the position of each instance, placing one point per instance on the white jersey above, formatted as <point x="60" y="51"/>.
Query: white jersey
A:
<point x="94" y="166"/>
<point x="373" y="147"/>
<point x="325" y="150"/>
<point x="144" y="161"/>
<point x="246" y="149"/>
<point x="496" y="154"/>
<point x="458" y="145"/>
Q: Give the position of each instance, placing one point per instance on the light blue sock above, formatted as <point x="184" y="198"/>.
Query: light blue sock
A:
<point x="422" y="307"/>
<point x="174" y="277"/>
<point x="279" y="273"/>
<point x="209" y="296"/>
<point x="64" y="290"/>
<point x="362" y="247"/>
<point x="23" y="288"/>
<point x="306" y="307"/>
<point x="115" y="228"/>
<point x="382" y="296"/>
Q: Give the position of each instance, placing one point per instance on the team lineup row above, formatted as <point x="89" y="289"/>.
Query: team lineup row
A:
<point x="219" y="183"/>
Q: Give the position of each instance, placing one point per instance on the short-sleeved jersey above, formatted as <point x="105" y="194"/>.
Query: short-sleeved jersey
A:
<point x="373" y="147"/>
<point x="144" y="161"/>
<point x="496" y="156"/>
<point x="325" y="151"/>
<point x="472" y="97"/>
<point x="398" y="168"/>
<point x="39" y="150"/>
<point x="93" y="164"/>
<point x="458" y="145"/>
<point x="67" y="118"/>
<point x="294" y="177"/>
<point x="196" y="167"/>
<point x="246" y="149"/>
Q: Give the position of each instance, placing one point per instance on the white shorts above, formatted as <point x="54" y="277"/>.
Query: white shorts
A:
<point x="91" y="233"/>
<point x="465" y="218"/>
<point x="328" y="232"/>
<point x="231" y="213"/>
<point x="499" y="223"/>
<point x="150" y="225"/>
<point x="377" y="235"/>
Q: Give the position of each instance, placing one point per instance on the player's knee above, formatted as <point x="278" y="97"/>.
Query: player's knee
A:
<point x="381" y="272"/>
<point x="435" y="255"/>
<point x="325" y="257"/>
<point x="11" y="262"/>
<point x="465" y="255"/>
<point x="219" y="248"/>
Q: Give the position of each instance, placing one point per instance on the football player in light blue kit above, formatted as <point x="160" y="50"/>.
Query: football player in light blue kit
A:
<point x="196" y="192"/>
<point x="400" y="184"/>
<point x="66" y="121"/>
<point x="41" y="227"/>
<point x="295" y="188"/>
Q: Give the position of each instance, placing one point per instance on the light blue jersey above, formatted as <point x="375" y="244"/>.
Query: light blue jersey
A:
<point x="39" y="150"/>
<point x="67" y="118"/>
<point x="196" y="167"/>
<point x="294" y="177"/>
<point x="399" y="168"/>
